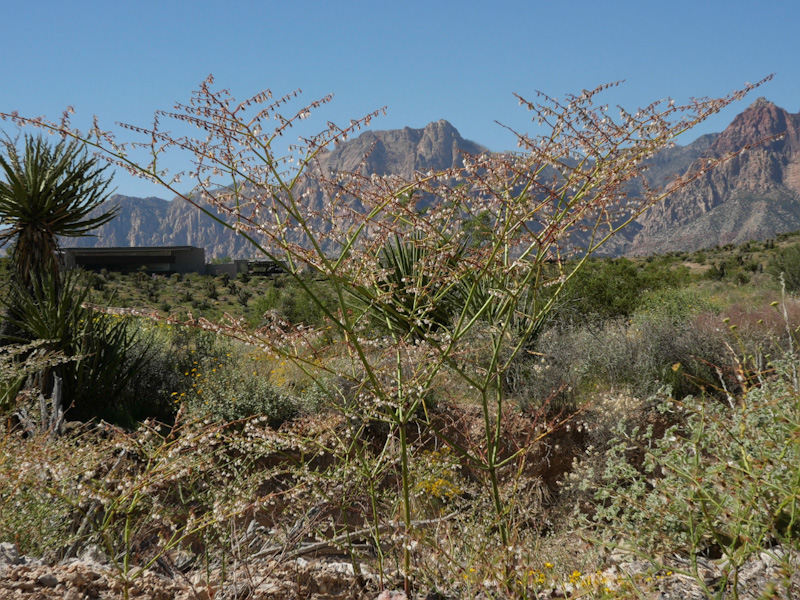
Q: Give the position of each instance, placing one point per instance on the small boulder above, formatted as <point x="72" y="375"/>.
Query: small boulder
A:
<point x="8" y="556"/>
<point x="47" y="580"/>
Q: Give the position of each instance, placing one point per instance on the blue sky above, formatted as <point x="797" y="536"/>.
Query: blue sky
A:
<point x="459" y="61"/>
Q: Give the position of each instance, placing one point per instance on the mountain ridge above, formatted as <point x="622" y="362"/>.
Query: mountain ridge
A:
<point x="755" y="195"/>
<point x="698" y="215"/>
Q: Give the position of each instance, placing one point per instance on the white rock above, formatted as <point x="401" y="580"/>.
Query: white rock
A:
<point x="8" y="556"/>
<point x="342" y="568"/>
<point x="392" y="595"/>
<point x="93" y="553"/>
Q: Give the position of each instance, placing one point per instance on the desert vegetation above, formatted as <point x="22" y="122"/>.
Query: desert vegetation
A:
<point x="446" y="389"/>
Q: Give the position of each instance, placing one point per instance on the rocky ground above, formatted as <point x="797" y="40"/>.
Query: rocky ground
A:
<point x="85" y="577"/>
<point x="772" y="574"/>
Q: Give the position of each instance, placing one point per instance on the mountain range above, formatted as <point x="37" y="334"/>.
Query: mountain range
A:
<point x="756" y="195"/>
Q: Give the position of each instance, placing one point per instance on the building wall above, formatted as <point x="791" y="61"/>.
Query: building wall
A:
<point x="166" y="259"/>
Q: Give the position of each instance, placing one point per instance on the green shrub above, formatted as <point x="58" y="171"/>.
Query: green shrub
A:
<point x="674" y="338"/>
<point x="244" y="295"/>
<point x="211" y="289"/>
<point x="291" y="303"/>
<point x="610" y="289"/>
<point x="673" y="305"/>
<point x="787" y="263"/>
<point x="232" y="385"/>
<point x="722" y="482"/>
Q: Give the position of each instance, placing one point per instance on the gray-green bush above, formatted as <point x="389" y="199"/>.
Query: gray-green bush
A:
<point x="723" y="481"/>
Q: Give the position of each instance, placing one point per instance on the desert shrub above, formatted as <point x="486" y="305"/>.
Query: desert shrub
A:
<point x="736" y="269"/>
<point x="200" y="305"/>
<point x="288" y="301"/>
<point x="97" y="281"/>
<point x="211" y="375"/>
<point x="138" y="496"/>
<point x="609" y="289"/>
<point x="30" y="514"/>
<point x="718" y="271"/>
<point x="152" y="292"/>
<point x="689" y="355"/>
<point x="243" y="296"/>
<point x="672" y="339"/>
<point x="673" y="306"/>
<point x="722" y="482"/>
<point x="787" y="263"/>
<point x="230" y="383"/>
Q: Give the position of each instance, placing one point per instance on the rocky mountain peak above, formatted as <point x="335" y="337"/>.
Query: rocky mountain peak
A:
<point x="760" y="120"/>
<point x="436" y="146"/>
<point x="755" y="195"/>
<point x="760" y="102"/>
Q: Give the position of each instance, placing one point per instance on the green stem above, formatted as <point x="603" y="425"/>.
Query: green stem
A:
<point x="406" y="506"/>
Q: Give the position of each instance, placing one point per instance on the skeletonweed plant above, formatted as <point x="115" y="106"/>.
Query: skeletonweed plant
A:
<point x="544" y="208"/>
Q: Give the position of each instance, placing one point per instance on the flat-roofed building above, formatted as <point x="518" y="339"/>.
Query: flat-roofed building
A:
<point x="157" y="259"/>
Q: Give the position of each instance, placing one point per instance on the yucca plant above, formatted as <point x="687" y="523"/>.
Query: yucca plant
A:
<point x="100" y="345"/>
<point x="413" y="297"/>
<point x="48" y="192"/>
